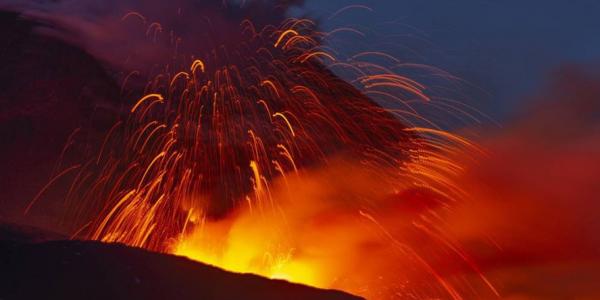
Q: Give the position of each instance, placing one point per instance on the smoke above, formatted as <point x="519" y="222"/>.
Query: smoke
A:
<point x="144" y="35"/>
<point x="527" y="227"/>
<point x="336" y="226"/>
<point x="53" y="89"/>
<point x="535" y="197"/>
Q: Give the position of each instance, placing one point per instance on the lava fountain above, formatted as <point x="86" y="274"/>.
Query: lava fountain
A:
<point x="257" y="158"/>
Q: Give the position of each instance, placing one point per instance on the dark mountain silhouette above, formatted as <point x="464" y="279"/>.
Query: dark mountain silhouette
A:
<point x="91" y="270"/>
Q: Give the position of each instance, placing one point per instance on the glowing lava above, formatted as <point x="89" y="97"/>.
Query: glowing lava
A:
<point x="259" y="159"/>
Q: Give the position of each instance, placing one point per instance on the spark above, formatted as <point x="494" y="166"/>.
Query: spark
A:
<point x="248" y="138"/>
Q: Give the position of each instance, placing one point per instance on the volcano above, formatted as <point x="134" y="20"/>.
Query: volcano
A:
<point x="252" y="155"/>
<point x="50" y="88"/>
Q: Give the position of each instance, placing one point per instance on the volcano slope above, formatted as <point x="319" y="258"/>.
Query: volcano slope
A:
<point x="32" y="267"/>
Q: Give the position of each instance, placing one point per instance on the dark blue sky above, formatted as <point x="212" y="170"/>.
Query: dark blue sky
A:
<point x="505" y="47"/>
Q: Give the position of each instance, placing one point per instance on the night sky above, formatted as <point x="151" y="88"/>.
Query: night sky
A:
<point x="506" y="49"/>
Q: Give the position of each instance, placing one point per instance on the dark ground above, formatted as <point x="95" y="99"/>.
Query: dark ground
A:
<point x="33" y="268"/>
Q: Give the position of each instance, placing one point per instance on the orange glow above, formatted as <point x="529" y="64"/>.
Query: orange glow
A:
<point x="158" y="97"/>
<point x="272" y="165"/>
<point x="305" y="239"/>
<point x="197" y="64"/>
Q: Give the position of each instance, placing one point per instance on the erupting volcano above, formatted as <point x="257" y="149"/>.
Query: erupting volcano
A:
<point x="256" y="158"/>
<point x="260" y="148"/>
<point x="259" y="159"/>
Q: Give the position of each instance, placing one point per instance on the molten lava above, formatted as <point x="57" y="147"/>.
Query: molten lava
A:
<point x="257" y="158"/>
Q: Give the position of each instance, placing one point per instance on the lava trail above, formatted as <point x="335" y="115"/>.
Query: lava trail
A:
<point x="253" y="155"/>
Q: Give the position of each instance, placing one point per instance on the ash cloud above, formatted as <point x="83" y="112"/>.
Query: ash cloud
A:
<point x="65" y="61"/>
<point x="536" y="196"/>
<point x="141" y="35"/>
